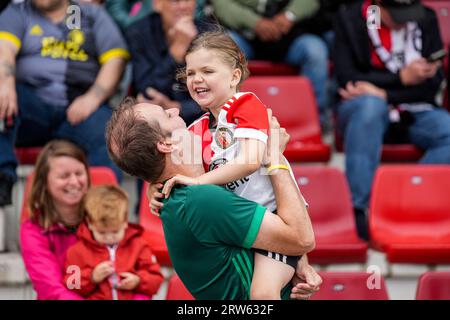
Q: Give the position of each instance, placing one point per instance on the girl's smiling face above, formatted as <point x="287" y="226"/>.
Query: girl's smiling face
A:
<point x="210" y="79"/>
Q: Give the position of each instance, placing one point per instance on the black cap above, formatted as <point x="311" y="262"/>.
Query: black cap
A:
<point x="403" y="11"/>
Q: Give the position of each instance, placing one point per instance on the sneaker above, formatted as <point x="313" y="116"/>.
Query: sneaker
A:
<point x="6" y="185"/>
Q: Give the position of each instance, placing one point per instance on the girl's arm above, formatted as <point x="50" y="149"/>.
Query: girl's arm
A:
<point x="249" y="160"/>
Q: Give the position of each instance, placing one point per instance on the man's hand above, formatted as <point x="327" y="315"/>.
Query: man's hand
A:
<point x="102" y="271"/>
<point x="306" y="282"/>
<point x="418" y="71"/>
<point x="82" y="107"/>
<point x="277" y="141"/>
<point x="8" y="98"/>
<point x="129" y="282"/>
<point x="283" y="23"/>
<point x="267" y="30"/>
<point x="180" y="37"/>
<point x="153" y="196"/>
<point x="360" y="88"/>
<point x="158" y="98"/>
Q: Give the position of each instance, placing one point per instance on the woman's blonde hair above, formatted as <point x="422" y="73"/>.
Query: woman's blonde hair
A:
<point x="40" y="202"/>
<point x="221" y="42"/>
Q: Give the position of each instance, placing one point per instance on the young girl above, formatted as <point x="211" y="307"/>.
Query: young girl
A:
<point x="215" y="69"/>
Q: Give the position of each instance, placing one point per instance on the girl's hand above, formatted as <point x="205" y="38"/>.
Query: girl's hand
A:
<point x="178" y="179"/>
<point x="153" y="196"/>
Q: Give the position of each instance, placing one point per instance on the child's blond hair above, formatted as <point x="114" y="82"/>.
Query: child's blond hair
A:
<point x="221" y="42"/>
<point x="106" y="205"/>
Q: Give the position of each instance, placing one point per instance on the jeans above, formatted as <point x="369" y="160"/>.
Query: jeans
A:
<point x="364" y="121"/>
<point x="309" y="53"/>
<point x="39" y="122"/>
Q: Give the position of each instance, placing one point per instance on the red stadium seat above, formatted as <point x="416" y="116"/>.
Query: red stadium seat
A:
<point x="434" y="285"/>
<point x="99" y="176"/>
<point x="293" y="103"/>
<point x="326" y="191"/>
<point x="27" y="155"/>
<point x="269" y="68"/>
<point x="177" y="291"/>
<point x="409" y="216"/>
<point x="351" y="286"/>
<point x="155" y="233"/>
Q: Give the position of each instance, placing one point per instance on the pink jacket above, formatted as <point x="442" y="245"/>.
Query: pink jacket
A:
<point x="44" y="253"/>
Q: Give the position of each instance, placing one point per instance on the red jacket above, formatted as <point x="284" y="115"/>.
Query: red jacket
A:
<point x="133" y="255"/>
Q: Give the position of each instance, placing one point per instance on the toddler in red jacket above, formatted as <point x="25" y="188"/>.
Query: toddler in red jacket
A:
<point x="111" y="260"/>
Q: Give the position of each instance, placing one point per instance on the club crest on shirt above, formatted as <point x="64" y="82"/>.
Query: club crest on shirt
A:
<point x="217" y="163"/>
<point x="224" y="137"/>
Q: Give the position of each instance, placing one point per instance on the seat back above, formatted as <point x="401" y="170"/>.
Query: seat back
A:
<point x="176" y="290"/>
<point x="99" y="176"/>
<point x="410" y="200"/>
<point x="27" y="155"/>
<point x="351" y="286"/>
<point x="293" y="102"/>
<point x="327" y="193"/>
<point x="434" y="285"/>
<point x="270" y="68"/>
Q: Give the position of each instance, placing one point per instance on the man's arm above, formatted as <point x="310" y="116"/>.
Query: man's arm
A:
<point x="8" y="97"/>
<point x="107" y="79"/>
<point x="104" y="86"/>
<point x="290" y="231"/>
<point x="303" y="9"/>
<point x="235" y="15"/>
<point x="112" y="54"/>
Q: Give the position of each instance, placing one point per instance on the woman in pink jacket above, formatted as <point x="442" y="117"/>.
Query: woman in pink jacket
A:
<point x="60" y="183"/>
<point x="61" y="180"/>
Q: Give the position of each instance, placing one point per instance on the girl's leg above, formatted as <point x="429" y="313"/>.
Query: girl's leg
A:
<point x="269" y="278"/>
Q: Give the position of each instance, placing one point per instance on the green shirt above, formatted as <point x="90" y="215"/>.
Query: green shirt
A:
<point x="209" y="232"/>
<point x="243" y="14"/>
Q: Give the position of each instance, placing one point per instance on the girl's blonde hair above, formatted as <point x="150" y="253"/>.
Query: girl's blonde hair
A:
<point x="225" y="46"/>
<point x="40" y="202"/>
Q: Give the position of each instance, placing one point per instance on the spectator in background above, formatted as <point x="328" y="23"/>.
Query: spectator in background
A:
<point x="321" y="23"/>
<point x="382" y="72"/>
<point x="158" y="44"/>
<point x="55" y="80"/>
<point x="125" y="12"/>
<point x="106" y="272"/>
<point x="271" y="30"/>
<point x="60" y="182"/>
<point x="55" y="202"/>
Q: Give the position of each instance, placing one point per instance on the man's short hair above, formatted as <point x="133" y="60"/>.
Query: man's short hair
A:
<point x="106" y="205"/>
<point x="132" y="142"/>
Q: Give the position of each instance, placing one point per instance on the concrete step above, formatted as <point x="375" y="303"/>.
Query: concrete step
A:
<point x="12" y="269"/>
